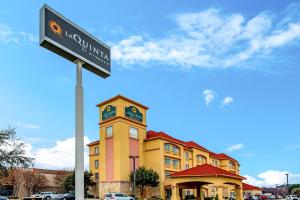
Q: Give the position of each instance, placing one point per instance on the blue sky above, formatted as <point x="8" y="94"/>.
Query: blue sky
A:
<point x="223" y="73"/>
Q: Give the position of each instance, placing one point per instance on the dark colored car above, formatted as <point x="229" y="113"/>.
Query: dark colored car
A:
<point x="189" y="197"/>
<point x="67" y="196"/>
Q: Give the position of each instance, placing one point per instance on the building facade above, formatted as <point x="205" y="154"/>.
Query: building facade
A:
<point x="184" y="167"/>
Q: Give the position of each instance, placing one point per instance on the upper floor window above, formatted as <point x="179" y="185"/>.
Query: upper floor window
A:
<point x="133" y="132"/>
<point x="201" y="159"/>
<point x="167" y="147"/>
<point x="96" y="150"/>
<point x="215" y="163"/>
<point x="187" y="166"/>
<point x="231" y="165"/>
<point x="175" y="149"/>
<point x="187" y="156"/>
<point x="96" y="176"/>
<point x="175" y="163"/>
<point x="167" y="174"/>
<point x="167" y="161"/>
<point x="96" y="164"/>
<point x="109" y="132"/>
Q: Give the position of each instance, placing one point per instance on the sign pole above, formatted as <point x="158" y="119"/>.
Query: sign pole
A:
<point x="79" y="138"/>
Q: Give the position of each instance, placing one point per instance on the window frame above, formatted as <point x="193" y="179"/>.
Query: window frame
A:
<point x="96" y="165"/>
<point x="106" y="131"/>
<point x="137" y="132"/>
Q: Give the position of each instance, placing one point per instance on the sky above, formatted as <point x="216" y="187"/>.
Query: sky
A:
<point x="223" y="73"/>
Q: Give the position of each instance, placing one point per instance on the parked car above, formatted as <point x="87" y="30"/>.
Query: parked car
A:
<point x="46" y="195"/>
<point x="67" y="196"/>
<point x="292" y="197"/>
<point x="189" y="197"/>
<point x="117" y="196"/>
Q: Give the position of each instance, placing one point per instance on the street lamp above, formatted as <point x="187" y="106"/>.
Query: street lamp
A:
<point x="134" y="172"/>
<point x="287" y="183"/>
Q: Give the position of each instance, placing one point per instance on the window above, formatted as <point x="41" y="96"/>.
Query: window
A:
<point x="109" y="132"/>
<point x="96" y="176"/>
<point x="175" y="149"/>
<point x="187" y="157"/>
<point x="231" y="165"/>
<point x="201" y="159"/>
<point x="167" y="161"/>
<point x="133" y="132"/>
<point x="167" y="147"/>
<point x="167" y="174"/>
<point x="215" y="163"/>
<point x="96" y="150"/>
<point x="187" y="166"/>
<point x="175" y="163"/>
<point x="96" y="164"/>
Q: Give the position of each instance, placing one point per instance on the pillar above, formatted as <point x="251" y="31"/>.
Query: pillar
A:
<point x="239" y="193"/>
<point x="199" y="193"/>
<point x="175" y="192"/>
<point x="220" y="193"/>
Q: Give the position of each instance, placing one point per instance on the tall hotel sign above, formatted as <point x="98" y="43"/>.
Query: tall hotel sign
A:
<point x="61" y="36"/>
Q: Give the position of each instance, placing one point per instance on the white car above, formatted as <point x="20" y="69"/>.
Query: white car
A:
<point x="117" y="196"/>
<point x="292" y="197"/>
<point x="46" y="195"/>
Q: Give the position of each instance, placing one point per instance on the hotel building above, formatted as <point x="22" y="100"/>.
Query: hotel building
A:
<point x="183" y="167"/>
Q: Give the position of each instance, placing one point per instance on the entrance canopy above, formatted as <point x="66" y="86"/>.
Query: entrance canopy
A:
<point x="201" y="175"/>
<point x="206" y="170"/>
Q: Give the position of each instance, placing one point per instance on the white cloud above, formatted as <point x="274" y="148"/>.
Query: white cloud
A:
<point x="227" y="100"/>
<point x="59" y="156"/>
<point x="292" y="147"/>
<point x="212" y="39"/>
<point x="29" y="126"/>
<point x="7" y="35"/>
<point x="29" y="36"/>
<point x="235" y="147"/>
<point x="271" y="178"/>
<point x="209" y="96"/>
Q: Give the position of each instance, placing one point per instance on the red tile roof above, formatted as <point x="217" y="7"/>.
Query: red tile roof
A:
<point x="221" y="156"/>
<point x="190" y="144"/>
<point x="206" y="170"/>
<point x="93" y="143"/>
<point x="250" y="187"/>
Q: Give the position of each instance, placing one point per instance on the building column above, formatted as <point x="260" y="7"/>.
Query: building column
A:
<point x="239" y="193"/>
<point x="175" y="192"/>
<point x="220" y="193"/>
<point x="199" y="193"/>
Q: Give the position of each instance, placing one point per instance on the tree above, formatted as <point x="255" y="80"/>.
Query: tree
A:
<point x="69" y="182"/>
<point x="15" y="178"/>
<point x="59" y="179"/>
<point x="145" y="178"/>
<point x="296" y="191"/>
<point x="292" y="186"/>
<point x="34" y="182"/>
<point x="12" y="152"/>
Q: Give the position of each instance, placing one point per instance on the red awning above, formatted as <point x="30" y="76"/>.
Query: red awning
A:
<point x="206" y="170"/>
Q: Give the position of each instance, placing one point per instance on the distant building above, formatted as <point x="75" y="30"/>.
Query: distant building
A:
<point x="251" y="190"/>
<point x="52" y="177"/>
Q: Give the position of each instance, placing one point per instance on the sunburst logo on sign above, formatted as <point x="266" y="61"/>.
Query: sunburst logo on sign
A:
<point x="55" y="28"/>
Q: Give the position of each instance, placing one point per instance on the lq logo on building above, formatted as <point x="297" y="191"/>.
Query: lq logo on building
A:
<point x="63" y="37"/>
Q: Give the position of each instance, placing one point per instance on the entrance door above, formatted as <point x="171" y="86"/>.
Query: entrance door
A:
<point x="168" y="193"/>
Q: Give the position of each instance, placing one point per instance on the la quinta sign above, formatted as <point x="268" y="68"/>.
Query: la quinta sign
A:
<point x="63" y="37"/>
<point x="60" y="35"/>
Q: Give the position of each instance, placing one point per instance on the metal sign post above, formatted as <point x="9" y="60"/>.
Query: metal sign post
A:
<point x="79" y="137"/>
<point x="61" y="36"/>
